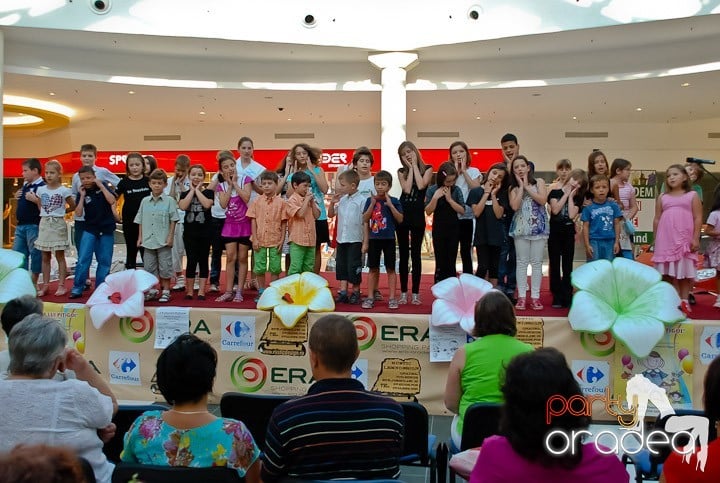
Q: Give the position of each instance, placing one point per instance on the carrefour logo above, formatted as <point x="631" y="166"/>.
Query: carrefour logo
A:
<point x="248" y="374"/>
<point x="137" y="329"/>
<point x="366" y="331"/>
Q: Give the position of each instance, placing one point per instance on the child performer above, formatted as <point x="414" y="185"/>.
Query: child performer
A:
<point x="53" y="235"/>
<point x="350" y="235"/>
<point x="383" y="213"/>
<point x="601" y="222"/>
<point x="468" y="178"/>
<point x="678" y="218"/>
<point x="197" y="233"/>
<point x="157" y="217"/>
<point x="133" y="188"/>
<point x="624" y="194"/>
<point x="234" y="195"/>
<point x="302" y="212"/>
<point x="712" y="253"/>
<point x="268" y="216"/>
<point x="529" y="229"/>
<point x="489" y="203"/>
<point x="566" y="199"/>
<point x="177" y="184"/>
<point x="445" y="202"/>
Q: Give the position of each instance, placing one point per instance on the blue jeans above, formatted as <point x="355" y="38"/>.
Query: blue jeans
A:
<point x="25" y="236"/>
<point x="102" y="247"/>
<point x="507" y="280"/>
<point x="602" y="249"/>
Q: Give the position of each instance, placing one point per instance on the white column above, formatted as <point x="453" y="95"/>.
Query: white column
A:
<point x="393" y="107"/>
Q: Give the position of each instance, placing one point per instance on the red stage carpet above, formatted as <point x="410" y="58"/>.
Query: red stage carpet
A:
<point x="703" y="310"/>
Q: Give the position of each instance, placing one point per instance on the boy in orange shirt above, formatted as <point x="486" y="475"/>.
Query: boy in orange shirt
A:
<point x="302" y="212"/>
<point x="269" y="221"/>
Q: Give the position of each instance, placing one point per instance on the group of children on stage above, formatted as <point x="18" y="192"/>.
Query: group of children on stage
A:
<point x="508" y="215"/>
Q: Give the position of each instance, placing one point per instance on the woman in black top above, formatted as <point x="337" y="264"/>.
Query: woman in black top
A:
<point x="133" y="188"/>
<point x="414" y="177"/>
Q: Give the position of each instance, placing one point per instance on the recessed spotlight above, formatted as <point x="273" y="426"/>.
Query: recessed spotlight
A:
<point x="477" y="117"/>
<point x="574" y="117"/>
<point x="202" y="113"/>
<point x="131" y="92"/>
<point x="44" y="67"/>
<point x="414" y="110"/>
<point x="51" y="93"/>
<point x="289" y="118"/>
<point x="638" y="109"/>
<point x="685" y="84"/>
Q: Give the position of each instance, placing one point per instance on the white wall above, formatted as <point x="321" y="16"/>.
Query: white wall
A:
<point x="647" y="146"/>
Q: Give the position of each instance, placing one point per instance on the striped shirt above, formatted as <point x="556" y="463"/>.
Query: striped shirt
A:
<point x="338" y="430"/>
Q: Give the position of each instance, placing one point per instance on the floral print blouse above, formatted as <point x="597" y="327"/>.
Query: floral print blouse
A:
<point x="223" y="442"/>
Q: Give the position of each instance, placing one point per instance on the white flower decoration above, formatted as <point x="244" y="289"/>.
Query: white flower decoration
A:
<point x="14" y="281"/>
<point x="455" y="300"/>
<point x="121" y="295"/>
<point x="626" y="297"/>
<point x="292" y="297"/>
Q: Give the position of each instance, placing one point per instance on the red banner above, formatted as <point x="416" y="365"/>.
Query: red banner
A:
<point x="270" y="158"/>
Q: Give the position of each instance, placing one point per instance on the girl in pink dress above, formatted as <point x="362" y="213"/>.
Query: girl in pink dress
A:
<point x="678" y="217"/>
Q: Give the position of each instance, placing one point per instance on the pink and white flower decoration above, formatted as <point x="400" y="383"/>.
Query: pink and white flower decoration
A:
<point x="455" y="300"/>
<point x="14" y="281"/>
<point x="120" y="295"/>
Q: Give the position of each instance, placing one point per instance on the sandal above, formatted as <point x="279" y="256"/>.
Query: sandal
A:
<point x="165" y="297"/>
<point x="416" y="299"/>
<point x="238" y="297"/>
<point x="368" y="303"/>
<point x="151" y="294"/>
<point x="226" y="297"/>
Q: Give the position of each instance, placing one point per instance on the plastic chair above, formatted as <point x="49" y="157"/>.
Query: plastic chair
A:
<point x="123" y="419"/>
<point x="481" y="421"/>
<point x="254" y="410"/>
<point x="87" y="470"/>
<point x="649" y="466"/>
<point x="125" y="472"/>
<point x="418" y="444"/>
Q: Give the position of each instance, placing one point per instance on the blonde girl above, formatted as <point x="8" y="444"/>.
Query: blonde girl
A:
<point x="678" y="218"/>
<point x="54" y="200"/>
<point x="529" y="229"/>
<point x="415" y="176"/>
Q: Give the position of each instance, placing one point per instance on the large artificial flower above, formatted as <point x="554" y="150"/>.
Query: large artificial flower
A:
<point x="291" y="297"/>
<point x="121" y="294"/>
<point x="455" y="300"/>
<point x="14" y="281"/>
<point x="626" y="297"/>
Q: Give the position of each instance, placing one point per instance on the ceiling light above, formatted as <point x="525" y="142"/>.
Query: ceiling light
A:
<point x="574" y="117"/>
<point x="202" y="113"/>
<point x="131" y="92"/>
<point x="414" y="110"/>
<point x="153" y="81"/>
<point x="685" y="84"/>
<point x="289" y="118"/>
<point x="477" y="117"/>
<point x="51" y="93"/>
<point x="38" y="104"/>
<point x="638" y="109"/>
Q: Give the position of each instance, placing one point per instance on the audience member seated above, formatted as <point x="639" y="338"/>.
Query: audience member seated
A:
<point x="337" y="430"/>
<point x="475" y="370"/>
<point x="520" y="455"/>
<point x="187" y="434"/>
<point x="675" y="469"/>
<point x="38" y="410"/>
<point x="40" y="464"/>
<point x="12" y="313"/>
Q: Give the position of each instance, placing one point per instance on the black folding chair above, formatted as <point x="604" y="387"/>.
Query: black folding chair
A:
<point x="481" y="420"/>
<point x="123" y="419"/>
<point x="418" y="444"/>
<point x="254" y="410"/>
<point x="125" y="472"/>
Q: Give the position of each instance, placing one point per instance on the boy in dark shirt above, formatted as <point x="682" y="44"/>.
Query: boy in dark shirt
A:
<point x="28" y="217"/>
<point x="94" y="202"/>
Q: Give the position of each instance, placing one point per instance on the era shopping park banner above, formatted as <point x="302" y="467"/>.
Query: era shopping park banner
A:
<point x="332" y="159"/>
<point x="257" y="354"/>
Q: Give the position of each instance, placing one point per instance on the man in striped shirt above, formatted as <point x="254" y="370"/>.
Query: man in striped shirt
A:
<point x="337" y="430"/>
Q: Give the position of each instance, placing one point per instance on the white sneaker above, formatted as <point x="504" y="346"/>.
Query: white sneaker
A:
<point x="416" y="299"/>
<point x="179" y="283"/>
<point x="196" y="285"/>
<point x="717" y="302"/>
<point x="403" y="298"/>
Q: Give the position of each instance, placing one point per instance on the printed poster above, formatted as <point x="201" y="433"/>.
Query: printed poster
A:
<point x="170" y="323"/>
<point x="237" y="333"/>
<point x="646" y="191"/>
<point x="124" y="368"/>
<point x="72" y="316"/>
<point x="669" y="366"/>
<point x="445" y="340"/>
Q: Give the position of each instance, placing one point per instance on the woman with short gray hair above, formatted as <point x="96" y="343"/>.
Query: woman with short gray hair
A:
<point x="39" y="410"/>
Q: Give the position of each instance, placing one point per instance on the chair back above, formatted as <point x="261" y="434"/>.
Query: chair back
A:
<point x="123" y="419"/>
<point x="125" y="472"/>
<point x="254" y="410"/>
<point x="481" y="420"/>
<point x="415" y="438"/>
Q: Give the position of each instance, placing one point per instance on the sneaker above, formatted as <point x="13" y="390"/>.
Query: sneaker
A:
<point x="556" y="305"/>
<point x="74" y="295"/>
<point x="377" y="296"/>
<point x="260" y="292"/>
<point x="213" y="288"/>
<point x="393" y="304"/>
<point x="520" y="305"/>
<point x="717" y="303"/>
<point x="151" y="294"/>
<point x="536" y="305"/>
<point x="403" y="298"/>
<point x="368" y="303"/>
<point x="354" y="298"/>
<point x="179" y="283"/>
<point x="342" y="298"/>
<point x="165" y="297"/>
<point x="416" y="299"/>
<point x="196" y="285"/>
